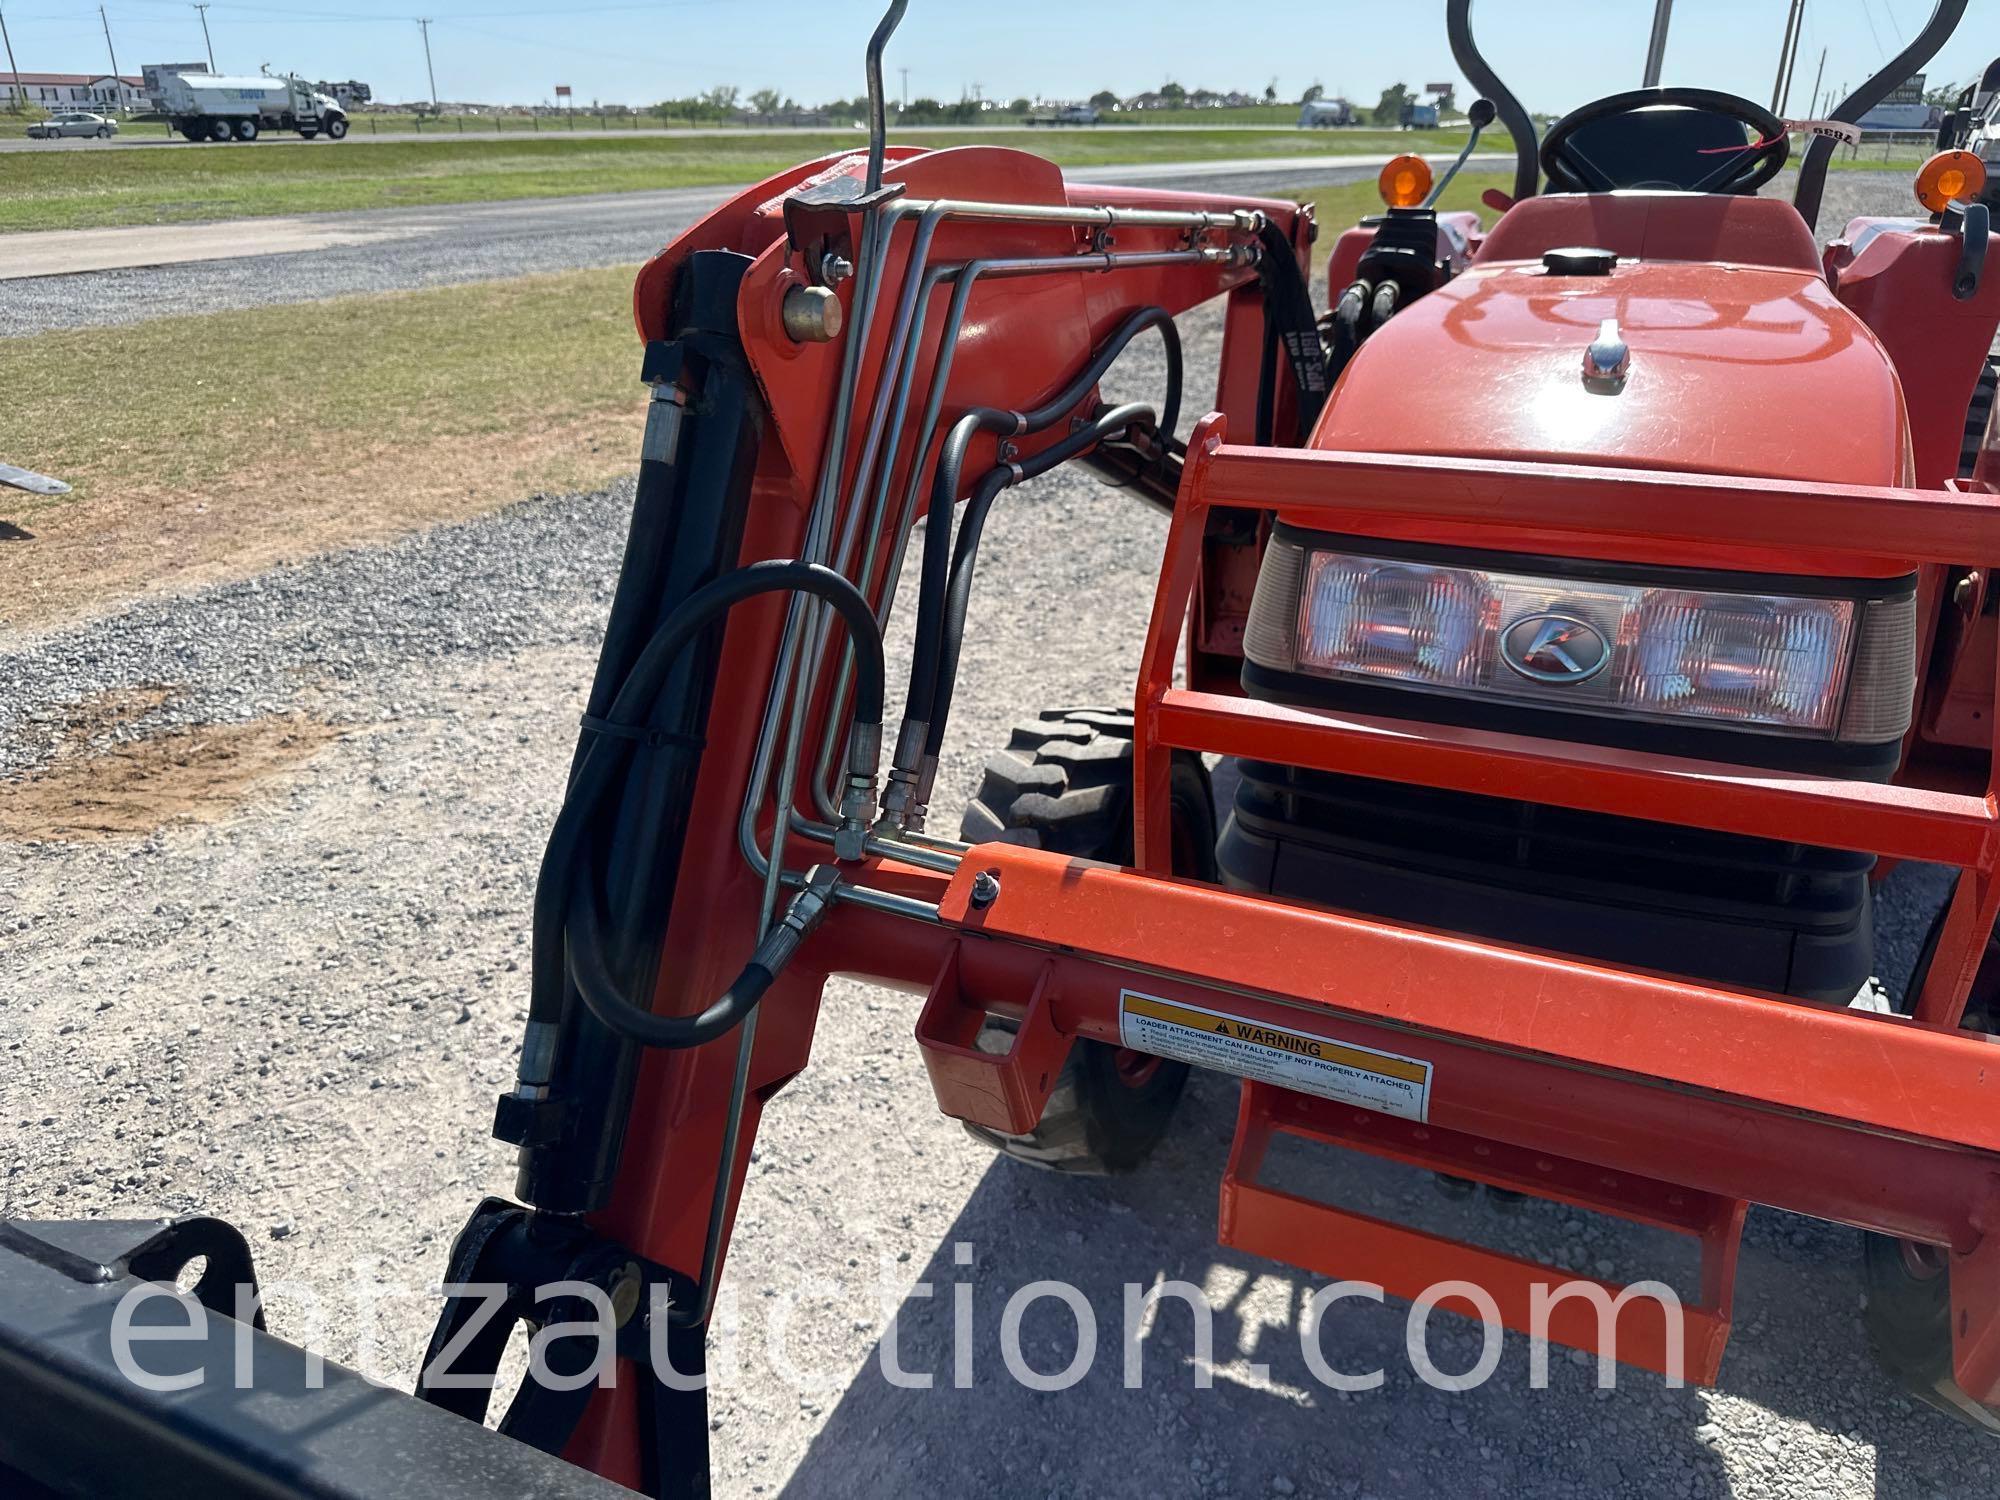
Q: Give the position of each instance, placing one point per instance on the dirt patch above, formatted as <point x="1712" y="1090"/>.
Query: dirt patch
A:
<point x="138" y="786"/>
<point x="86" y="557"/>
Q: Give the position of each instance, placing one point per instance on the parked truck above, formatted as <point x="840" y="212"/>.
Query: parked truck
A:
<point x="207" y="106"/>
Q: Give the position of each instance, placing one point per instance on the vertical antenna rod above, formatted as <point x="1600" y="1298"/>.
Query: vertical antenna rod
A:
<point x="878" y="114"/>
<point x="1656" y="49"/>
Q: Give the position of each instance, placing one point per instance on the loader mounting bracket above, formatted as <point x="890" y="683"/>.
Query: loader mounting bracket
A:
<point x="505" y="1245"/>
<point x="819" y="223"/>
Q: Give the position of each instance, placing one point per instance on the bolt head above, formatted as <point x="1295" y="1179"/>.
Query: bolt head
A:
<point x="985" y="888"/>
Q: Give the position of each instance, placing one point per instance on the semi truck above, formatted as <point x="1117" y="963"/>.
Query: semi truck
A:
<point x="206" y="106"/>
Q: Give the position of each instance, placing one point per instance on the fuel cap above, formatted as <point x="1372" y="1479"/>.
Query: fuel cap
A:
<point x="1579" y="260"/>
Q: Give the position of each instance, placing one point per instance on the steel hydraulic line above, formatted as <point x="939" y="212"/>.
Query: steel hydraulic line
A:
<point x="904" y="340"/>
<point x="824" y="774"/>
<point x="875" y="237"/>
<point x="933" y="277"/>
<point x="884" y="218"/>
<point x="966" y="278"/>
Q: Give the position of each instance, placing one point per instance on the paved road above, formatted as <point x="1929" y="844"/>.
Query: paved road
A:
<point x="154" y="135"/>
<point x="153" y="271"/>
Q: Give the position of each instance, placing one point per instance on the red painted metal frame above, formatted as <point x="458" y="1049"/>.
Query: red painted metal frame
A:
<point x="1619" y="514"/>
<point x="1676" y="1339"/>
<point x="1647" y="1077"/>
<point x="1843" y="1067"/>
<point x="1880" y="1122"/>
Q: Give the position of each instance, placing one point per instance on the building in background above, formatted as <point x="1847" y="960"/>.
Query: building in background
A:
<point x="101" y="93"/>
<point x="350" y="93"/>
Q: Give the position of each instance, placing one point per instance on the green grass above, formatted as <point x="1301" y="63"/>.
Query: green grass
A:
<point x="1343" y="205"/>
<point x="77" y="189"/>
<point x="493" y="358"/>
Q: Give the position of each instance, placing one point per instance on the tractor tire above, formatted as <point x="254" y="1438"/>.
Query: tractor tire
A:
<point x="1975" y="418"/>
<point x="1908" y="1319"/>
<point x="1908" y="1311"/>
<point x="306" y="135"/>
<point x="246" y="130"/>
<point x="336" y="129"/>
<point x="1064" y="783"/>
<point x="220" y="133"/>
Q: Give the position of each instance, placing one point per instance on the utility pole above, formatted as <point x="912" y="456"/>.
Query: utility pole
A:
<point x="1792" y="16"/>
<point x="202" y="10"/>
<point x="1792" y="59"/>
<point x="16" y="96"/>
<point x="906" y="87"/>
<point x="107" y="40"/>
<point x="425" y="23"/>
<point x="1656" y="48"/>
<point x="1818" y="74"/>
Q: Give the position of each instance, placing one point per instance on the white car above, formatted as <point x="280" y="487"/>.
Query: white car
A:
<point x="73" y="123"/>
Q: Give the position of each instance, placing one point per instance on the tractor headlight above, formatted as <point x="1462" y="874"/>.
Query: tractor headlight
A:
<point x="1838" y="664"/>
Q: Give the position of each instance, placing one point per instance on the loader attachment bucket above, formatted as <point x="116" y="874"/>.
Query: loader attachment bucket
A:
<point x="114" y="1383"/>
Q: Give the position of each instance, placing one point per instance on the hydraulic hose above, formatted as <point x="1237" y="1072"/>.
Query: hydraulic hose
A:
<point x="594" y="981"/>
<point x="965" y="552"/>
<point x="950" y="466"/>
<point x="597" y="770"/>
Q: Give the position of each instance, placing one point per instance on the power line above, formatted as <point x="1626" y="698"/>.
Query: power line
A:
<point x="1868" y="15"/>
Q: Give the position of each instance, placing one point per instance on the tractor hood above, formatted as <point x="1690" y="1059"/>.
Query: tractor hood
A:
<point x="1734" y="370"/>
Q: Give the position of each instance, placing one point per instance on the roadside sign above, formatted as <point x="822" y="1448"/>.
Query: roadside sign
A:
<point x="562" y="91"/>
<point x="1908" y="93"/>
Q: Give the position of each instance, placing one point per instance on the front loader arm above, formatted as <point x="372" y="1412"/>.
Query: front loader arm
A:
<point x="809" y="352"/>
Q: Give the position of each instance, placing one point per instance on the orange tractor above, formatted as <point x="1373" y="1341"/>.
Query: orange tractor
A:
<point x="1590" y="606"/>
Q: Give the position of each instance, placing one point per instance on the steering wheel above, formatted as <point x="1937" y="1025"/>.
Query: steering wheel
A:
<point x="1570" y="170"/>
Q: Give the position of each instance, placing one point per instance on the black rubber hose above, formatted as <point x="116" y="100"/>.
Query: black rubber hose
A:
<point x="596" y="773"/>
<point x="601" y="993"/>
<point x="951" y="463"/>
<point x="965" y="553"/>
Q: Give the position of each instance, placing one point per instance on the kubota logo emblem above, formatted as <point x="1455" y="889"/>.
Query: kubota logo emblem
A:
<point x="1554" y="648"/>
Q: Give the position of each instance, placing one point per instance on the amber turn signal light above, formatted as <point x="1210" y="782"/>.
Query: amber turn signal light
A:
<point x="1950" y="176"/>
<point x="1406" y="181"/>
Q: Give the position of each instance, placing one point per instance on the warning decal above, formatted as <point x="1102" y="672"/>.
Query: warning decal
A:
<point x="1271" y="1054"/>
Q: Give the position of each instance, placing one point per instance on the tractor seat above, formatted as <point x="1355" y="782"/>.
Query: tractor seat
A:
<point x="1657" y="226"/>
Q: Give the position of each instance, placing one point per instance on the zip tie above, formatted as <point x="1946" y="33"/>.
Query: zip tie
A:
<point x="642" y="734"/>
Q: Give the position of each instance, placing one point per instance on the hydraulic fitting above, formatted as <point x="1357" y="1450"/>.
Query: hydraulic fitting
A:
<point x="920" y="795"/>
<point x="900" y="791"/>
<point x="857" y="803"/>
<point x="807" y="910"/>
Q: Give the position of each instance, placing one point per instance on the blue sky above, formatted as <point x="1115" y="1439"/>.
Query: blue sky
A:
<point x="622" y="50"/>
